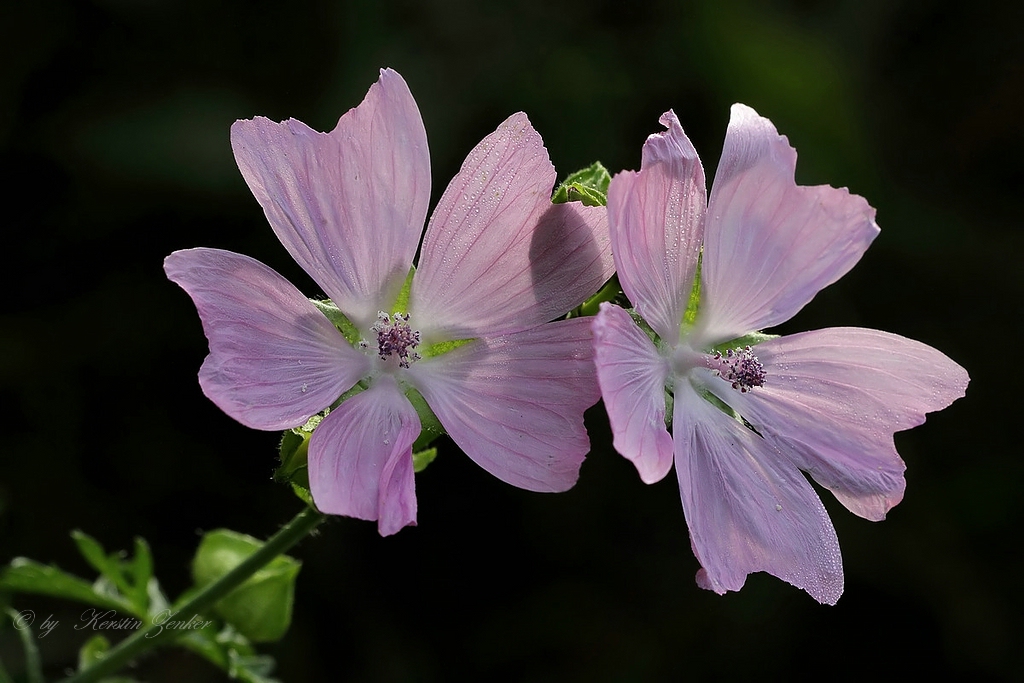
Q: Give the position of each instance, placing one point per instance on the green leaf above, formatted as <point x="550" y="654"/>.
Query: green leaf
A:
<point x="420" y="459"/>
<point x="155" y="597"/>
<point x="251" y="668"/>
<point x="207" y="643"/>
<point x="231" y="652"/>
<point x="27" y="576"/>
<point x="92" y="651"/>
<point x="118" y="576"/>
<point x="261" y="608"/>
<point x="140" y="569"/>
<point x="588" y="185"/>
<point x="94" y="554"/>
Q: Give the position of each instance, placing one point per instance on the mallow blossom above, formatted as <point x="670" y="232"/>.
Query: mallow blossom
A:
<point x="468" y="330"/>
<point x="749" y="412"/>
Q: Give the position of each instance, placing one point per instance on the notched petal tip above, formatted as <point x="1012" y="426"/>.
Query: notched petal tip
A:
<point x="360" y="459"/>
<point x="747" y="508"/>
<point x="671" y="146"/>
<point x="274" y="359"/>
<point x="771" y="245"/>
<point x="498" y="257"/>
<point x="348" y="205"/>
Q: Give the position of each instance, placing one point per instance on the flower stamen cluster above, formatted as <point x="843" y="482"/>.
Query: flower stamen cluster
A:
<point x="740" y="367"/>
<point x="396" y="336"/>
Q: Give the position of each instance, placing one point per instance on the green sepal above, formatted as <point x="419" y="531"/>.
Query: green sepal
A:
<point x="752" y="339"/>
<point x="294" y="452"/>
<point x="648" y="330"/>
<point x="430" y="426"/>
<point x="260" y="608"/>
<point x="294" y="455"/>
<point x="693" y="303"/>
<point x="442" y="347"/>
<point x="303" y="493"/>
<point x="420" y="459"/>
<point x="588" y="185"/>
<point x="358" y="387"/>
<point x="402" y="302"/>
<point x="611" y="292"/>
<point x="339" y="320"/>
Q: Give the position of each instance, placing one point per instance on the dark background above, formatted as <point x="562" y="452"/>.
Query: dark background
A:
<point x="114" y="118"/>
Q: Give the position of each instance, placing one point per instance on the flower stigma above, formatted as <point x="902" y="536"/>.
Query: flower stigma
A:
<point x="738" y="366"/>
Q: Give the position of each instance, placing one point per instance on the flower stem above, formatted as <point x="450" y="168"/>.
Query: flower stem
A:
<point x="154" y="634"/>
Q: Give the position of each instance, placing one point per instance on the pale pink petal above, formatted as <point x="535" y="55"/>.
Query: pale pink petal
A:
<point x="498" y="256"/>
<point x="275" y="360"/>
<point x="748" y="508"/>
<point x="348" y="205"/>
<point x="632" y="374"/>
<point x="656" y="220"/>
<point x="515" y="403"/>
<point x="771" y="245"/>
<point x="360" y="458"/>
<point x="832" y="400"/>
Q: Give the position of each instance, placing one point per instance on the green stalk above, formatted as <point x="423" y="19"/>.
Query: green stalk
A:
<point x="154" y="634"/>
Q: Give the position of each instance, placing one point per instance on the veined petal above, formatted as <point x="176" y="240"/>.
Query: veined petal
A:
<point x="515" y="403"/>
<point x="274" y="359"/>
<point x="748" y="508"/>
<point x="498" y="256"/>
<point x="632" y="374"/>
<point x="656" y="221"/>
<point x="833" y="398"/>
<point x="348" y="205"/>
<point x="771" y="245"/>
<point x="360" y="458"/>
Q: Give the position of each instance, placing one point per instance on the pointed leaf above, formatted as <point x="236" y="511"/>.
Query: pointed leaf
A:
<point x="27" y="576"/>
<point x="92" y="551"/>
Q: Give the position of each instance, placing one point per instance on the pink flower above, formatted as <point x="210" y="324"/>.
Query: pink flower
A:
<point x="498" y="262"/>
<point x="746" y="418"/>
